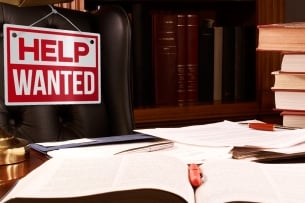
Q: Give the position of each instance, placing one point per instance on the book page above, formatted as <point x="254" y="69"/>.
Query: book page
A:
<point x="236" y="180"/>
<point x="74" y="177"/>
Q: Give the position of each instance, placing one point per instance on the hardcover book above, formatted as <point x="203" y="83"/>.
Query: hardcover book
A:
<point x="293" y="118"/>
<point x="281" y="37"/>
<point x="217" y="76"/>
<point x="164" y="43"/>
<point x="181" y="59"/>
<point x="192" y="60"/>
<point x="149" y="178"/>
<point x="293" y="62"/>
<point x="206" y="60"/>
<point x="289" y="80"/>
<point x="289" y="99"/>
<point x="228" y="64"/>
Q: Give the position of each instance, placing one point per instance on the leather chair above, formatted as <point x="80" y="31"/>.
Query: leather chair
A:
<point x="113" y="116"/>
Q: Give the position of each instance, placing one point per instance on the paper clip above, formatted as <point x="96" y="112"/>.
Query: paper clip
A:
<point x="195" y="175"/>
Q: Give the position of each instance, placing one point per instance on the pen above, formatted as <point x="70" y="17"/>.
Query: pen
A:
<point x="267" y="126"/>
<point x="262" y="126"/>
<point x="195" y="175"/>
<point x="149" y="148"/>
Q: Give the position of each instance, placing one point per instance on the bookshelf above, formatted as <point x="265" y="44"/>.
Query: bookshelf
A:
<point x="74" y="5"/>
<point x="227" y="13"/>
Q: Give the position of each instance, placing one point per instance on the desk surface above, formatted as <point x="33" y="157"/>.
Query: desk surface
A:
<point x="9" y="174"/>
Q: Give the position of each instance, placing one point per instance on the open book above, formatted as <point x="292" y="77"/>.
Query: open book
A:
<point x="151" y="178"/>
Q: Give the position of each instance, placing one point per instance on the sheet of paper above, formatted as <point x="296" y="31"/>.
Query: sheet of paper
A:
<point x="58" y="143"/>
<point x="289" y="150"/>
<point x="229" y="133"/>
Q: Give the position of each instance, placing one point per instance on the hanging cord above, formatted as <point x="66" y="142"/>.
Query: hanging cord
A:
<point x="54" y="11"/>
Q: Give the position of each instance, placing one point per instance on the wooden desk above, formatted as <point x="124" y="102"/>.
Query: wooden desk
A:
<point x="9" y="174"/>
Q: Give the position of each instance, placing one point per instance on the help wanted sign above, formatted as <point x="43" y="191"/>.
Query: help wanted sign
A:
<point x="50" y="66"/>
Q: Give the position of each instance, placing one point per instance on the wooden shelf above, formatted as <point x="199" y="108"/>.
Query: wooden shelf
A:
<point x="165" y="1"/>
<point x="261" y="12"/>
<point x="190" y="115"/>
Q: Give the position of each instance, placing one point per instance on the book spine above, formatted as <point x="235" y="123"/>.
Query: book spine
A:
<point x="228" y="60"/>
<point x="164" y="58"/>
<point x="249" y="62"/>
<point x="239" y="65"/>
<point x="192" y="57"/>
<point x="181" y="59"/>
<point x="217" y="85"/>
<point x="206" y="60"/>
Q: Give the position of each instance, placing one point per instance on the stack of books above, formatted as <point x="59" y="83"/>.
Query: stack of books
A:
<point x="289" y="81"/>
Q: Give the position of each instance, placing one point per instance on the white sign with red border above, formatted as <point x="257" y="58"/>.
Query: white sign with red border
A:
<point x="50" y="66"/>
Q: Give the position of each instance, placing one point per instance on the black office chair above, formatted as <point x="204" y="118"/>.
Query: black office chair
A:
<point x="113" y="116"/>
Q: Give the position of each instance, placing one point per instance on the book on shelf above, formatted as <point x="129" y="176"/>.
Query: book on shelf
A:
<point x="71" y="4"/>
<point x="228" y="63"/>
<point x="217" y="75"/>
<point x="238" y="63"/>
<point x="289" y="80"/>
<point x="144" y="177"/>
<point x="293" y="118"/>
<point x="181" y="59"/>
<point x="244" y="64"/>
<point x="164" y="44"/>
<point x="281" y="37"/>
<point x="293" y="62"/>
<point x="192" y="57"/>
<point x="289" y="99"/>
<point x="206" y="60"/>
<point x="175" y="57"/>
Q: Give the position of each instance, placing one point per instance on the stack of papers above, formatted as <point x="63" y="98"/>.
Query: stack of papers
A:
<point x="221" y="140"/>
<point x="245" y="142"/>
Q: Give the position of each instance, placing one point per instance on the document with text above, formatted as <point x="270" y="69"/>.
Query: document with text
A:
<point x="227" y="133"/>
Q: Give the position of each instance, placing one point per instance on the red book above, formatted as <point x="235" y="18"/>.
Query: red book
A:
<point x="164" y="58"/>
<point x="192" y="40"/>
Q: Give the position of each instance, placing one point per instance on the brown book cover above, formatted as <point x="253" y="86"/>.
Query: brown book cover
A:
<point x="181" y="59"/>
<point x="192" y="57"/>
<point x="164" y="57"/>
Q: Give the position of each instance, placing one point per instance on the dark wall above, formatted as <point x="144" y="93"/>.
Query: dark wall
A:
<point x="295" y="10"/>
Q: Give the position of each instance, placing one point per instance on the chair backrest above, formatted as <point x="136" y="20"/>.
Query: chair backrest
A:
<point x="113" y="116"/>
